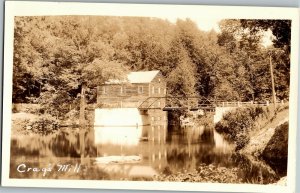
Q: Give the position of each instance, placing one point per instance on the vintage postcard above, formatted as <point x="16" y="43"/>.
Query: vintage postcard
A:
<point x="150" y="97"/>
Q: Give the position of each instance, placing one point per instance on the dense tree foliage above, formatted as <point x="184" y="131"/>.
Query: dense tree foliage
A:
<point x="243" y="41"/>
<point x="55" y="55"/>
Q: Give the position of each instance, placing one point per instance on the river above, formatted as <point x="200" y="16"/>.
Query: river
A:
<point x="180" y="151"/>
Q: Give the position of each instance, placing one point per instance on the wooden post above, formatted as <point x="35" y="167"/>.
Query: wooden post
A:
<point x="82" y="106"/>
<point x="82" y="120"/>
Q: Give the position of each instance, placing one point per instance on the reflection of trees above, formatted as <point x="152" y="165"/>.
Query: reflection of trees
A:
<point x="64" y="145"/>
<point x="207" y="155"/>
<point x="67" y="144"/>
<point x="190" y="147"/>
<point x="19" y="149"/>
<point x="34" y="144"/>
<point x="178" y="159"/>
<point x="189" y="157"/>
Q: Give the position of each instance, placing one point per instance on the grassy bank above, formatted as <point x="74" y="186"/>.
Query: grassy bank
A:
<point x="259" y="133"/>
<point x="250" y="128"/>
<point x="237" y="125"/>
<point x="260" y="136"/>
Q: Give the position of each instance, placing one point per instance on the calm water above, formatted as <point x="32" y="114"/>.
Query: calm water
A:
<point x="70" y="154"/>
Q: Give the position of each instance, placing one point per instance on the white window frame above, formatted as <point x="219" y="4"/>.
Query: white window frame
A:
<point x="158" y="104"/>
<point x="140" y="89"/>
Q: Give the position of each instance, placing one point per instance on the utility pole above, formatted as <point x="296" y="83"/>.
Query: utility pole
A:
<point x="272" y="79"/>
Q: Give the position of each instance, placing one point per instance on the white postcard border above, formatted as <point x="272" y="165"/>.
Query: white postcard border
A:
<point x="15" y="8"/>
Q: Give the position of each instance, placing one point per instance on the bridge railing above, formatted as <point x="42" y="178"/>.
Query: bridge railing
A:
<point x="196" y="102"/>
<point x="240" y="104"/>
<point x="233" y="103"/>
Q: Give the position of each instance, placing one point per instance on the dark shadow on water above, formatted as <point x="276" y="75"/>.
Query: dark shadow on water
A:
<point x="254" y="171"/>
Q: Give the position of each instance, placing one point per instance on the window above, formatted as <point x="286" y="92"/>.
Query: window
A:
<point x="121" y="90"/>
<point x="153" y="90"/>
<point x="158" y="90"/>
<point x="104" y="90"/>
<point x="140" y="90"/>
<point x="158" y="103"/>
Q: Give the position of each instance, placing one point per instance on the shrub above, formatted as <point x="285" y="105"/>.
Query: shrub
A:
<point x="276" y="151"/>
<point x="25" y="108"/>
<point x="19" y="126"/>
<point x="235" y="125"/>
<point x="44" y="125"/>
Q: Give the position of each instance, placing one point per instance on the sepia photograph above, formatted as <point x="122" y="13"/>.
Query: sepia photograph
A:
<point x="152" y="98"/>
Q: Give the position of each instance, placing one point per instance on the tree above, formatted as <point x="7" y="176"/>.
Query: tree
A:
<point x="182" y="81"/>
<point x="60" y="53"/>
<point x="281" y="29"/>
<point x="250" y="58"/>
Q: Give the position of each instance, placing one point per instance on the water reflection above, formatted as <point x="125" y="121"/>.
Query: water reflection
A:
<point x="129" y="136"/>
<point x="121" y="126"/>
<point x="155" y="153"/>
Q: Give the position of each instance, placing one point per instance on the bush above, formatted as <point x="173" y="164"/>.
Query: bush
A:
<point x="19" y="126"/>
<point x="44" y="125"/>
<point x="235" y="125"/>
<point x="25" y="108"/>
<point x="276" y="151"/>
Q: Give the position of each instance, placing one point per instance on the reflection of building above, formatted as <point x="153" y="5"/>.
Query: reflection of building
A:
<point x="157" y="156"/>
<point x="113" y="160"/>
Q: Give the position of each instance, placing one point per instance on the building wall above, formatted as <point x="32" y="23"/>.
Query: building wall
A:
<point x="133" y="95"/>
<point x="157" y="88"/>
<point x="124" y="95"/>
<point x="143" y="96"/>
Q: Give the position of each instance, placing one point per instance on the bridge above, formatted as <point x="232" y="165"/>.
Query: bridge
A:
<point x="196" y="103"/>
<point x="192" y="103"/>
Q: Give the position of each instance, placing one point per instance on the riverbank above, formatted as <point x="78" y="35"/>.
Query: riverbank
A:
<point x="265" y="141"/>
<point x="269" y="143"/>
<point x="260" y="136"/>
<point x="205" y="173"/>
<point x="260" y="133"/>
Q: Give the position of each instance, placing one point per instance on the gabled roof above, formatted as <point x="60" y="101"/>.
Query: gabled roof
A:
<point x="137" y="77"/>
<point x="142" y="76"/>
